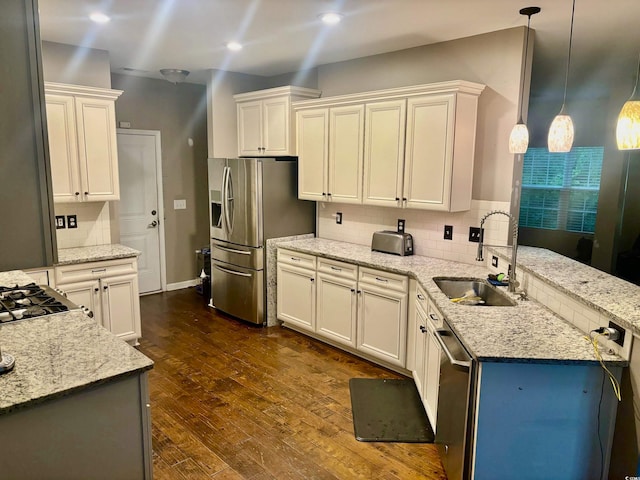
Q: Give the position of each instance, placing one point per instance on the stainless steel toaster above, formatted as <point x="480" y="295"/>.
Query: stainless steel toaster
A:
<point x="388" y="241"/>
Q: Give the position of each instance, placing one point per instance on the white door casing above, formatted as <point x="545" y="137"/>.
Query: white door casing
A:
<point x="140" y="165"/>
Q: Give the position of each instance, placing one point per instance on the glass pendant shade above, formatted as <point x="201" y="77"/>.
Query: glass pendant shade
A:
<point x="560" y="137"/>
<point x="628" y="129"/>
<point x="519" y="138"/>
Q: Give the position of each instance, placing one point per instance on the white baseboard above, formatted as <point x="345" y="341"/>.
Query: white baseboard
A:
<point x="180" y="285"/>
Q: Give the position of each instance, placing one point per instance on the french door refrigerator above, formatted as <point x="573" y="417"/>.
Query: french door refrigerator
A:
<point x="251" y="200"/>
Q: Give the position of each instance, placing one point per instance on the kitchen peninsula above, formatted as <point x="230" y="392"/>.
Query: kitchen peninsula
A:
<point x="538" y="385"/>
<point x="76" y="403"/>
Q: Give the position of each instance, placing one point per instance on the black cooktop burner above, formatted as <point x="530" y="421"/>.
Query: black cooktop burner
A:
<point x="29" y="301"/>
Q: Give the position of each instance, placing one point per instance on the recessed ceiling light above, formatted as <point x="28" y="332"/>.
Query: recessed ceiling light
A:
<point x="234" y="46"/>
<point x="99" y="17"/>
<point x="331" y="18"/>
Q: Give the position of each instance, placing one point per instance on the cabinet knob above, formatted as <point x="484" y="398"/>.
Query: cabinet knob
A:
<point x="105" y="287"/>
<point x="86" y="193"/>
<point x="77" y="193"/>
<point x="397" y="199"/>
<point x="312" y="279"/>
<point x="353" y="290"/>
<point x="423" y="329"/>
<point x="420" y="296"/>
<point x="328" y="194"/>
<point x="97" y="289"/>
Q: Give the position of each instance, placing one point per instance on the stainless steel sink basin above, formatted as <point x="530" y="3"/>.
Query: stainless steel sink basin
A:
<point x="476" y="290"/>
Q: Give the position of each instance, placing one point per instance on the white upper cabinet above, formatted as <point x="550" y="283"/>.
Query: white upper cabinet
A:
<point x="331" y="142"/>
<point x="81" y="126"/>
<point x="410" y="147"/>
<point x="265" y="127"/>
<point x="384" y="152"/>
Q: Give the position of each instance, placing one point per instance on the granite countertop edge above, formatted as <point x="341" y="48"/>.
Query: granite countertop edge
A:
<point x="94" y="253"/>
<point x="71" y="390"/>
<point x="471" y="325"/>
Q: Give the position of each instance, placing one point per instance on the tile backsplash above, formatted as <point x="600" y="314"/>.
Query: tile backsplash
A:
<point x="427" y="227"/>
<point x="93" y="224"/>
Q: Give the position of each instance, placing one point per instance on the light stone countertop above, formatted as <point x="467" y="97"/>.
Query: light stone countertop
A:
<point x="527" y="332"/>
<point x="612" y="296"/>
<point x="12" y="278"/>
<point x="59" y="354"/>
<point x="95" y="253"/>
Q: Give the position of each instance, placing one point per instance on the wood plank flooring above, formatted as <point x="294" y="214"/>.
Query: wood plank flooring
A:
<point x="234" y="401"/>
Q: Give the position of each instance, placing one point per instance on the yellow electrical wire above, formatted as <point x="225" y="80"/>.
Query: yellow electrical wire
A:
<point x="614" y="382"/>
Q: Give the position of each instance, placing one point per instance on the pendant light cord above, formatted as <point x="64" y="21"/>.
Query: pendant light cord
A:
<point x="635" y="88"/>
<point x="566" y="77"/>
<point x="524" y="74"/>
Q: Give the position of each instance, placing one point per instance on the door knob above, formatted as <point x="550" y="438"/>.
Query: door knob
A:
<point x="153" y="224"/>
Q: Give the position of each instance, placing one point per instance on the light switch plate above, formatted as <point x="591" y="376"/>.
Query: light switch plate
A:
<point x="179" y="204"/>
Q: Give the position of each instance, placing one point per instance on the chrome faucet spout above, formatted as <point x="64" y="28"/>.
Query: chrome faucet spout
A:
<point x="514" y="246"/>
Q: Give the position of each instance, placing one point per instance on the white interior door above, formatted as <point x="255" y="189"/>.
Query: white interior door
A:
<point x="141" y="213"/>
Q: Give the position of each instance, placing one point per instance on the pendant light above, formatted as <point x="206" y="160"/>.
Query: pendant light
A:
<point x="519" y="138"/>
<point x="628" y="129"/>
<point x="561" y="131"/>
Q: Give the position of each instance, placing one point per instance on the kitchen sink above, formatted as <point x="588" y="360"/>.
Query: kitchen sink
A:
<point x="473" y="291"/>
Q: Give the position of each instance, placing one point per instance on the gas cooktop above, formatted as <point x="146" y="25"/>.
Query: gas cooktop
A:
<point x="30" y="301"/>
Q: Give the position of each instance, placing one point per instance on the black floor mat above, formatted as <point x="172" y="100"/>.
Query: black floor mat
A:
<point x="388" y="410"/>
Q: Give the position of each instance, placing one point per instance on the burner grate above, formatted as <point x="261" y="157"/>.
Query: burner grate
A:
<point x="29" y="301"/>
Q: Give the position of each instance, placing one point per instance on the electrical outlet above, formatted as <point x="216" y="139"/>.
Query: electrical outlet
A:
<point x="621" y="331"/>
<point x="339" y="218"/>
<point x="494" y="261"/>
<point x="401" y="225"/>
<point x="60" y="223"/>
<point x="474" y="234"/>
<point x="72" y="221"/>
<point x="448" y="232"/>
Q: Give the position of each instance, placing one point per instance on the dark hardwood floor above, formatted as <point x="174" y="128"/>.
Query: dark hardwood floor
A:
<point x="233" y="401"/>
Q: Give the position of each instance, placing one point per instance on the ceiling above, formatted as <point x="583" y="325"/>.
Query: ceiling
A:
<point x="282" y="36"/>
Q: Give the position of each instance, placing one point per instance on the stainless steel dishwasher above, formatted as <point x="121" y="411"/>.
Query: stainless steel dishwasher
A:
<point x="456" y="402"/>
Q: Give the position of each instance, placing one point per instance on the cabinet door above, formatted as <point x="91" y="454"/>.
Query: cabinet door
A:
<point x="313" y="137"/>
<point x="384" y="153"/>
<point x="429" y="152"/>
<point x="420" y="350"/>
<point x="63" y="148"/>
<point x="98" y="150"/>
<point x="382" y="323"/>
<point x="296" y="296"/>
<point x="86" y="294"/>
<point x="276" y="128"/>
<point x="432" y="376"/>
<point x="121" y="306"/>
<point x="250" y="128"/>
<point x="346" y="153"/>
<point x="336" y="312"/>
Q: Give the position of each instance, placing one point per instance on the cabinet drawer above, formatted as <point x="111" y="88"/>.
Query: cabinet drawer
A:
<point x="338" y="269"/>
<point x="94" y="270"/>
<point x="422" y="300"/>
<point x="434" y="317"/>
<point x="383" y="279"/>
<point x="296" y="258"/>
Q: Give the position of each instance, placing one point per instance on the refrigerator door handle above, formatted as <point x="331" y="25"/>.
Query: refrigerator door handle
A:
<point x="232" y="272"/>
<point x="232" y="250"/>
<point x="225" y="206"/>
<point x="227" y="198"/>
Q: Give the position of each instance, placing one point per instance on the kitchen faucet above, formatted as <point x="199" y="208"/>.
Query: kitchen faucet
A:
<point x="512" y="276"/>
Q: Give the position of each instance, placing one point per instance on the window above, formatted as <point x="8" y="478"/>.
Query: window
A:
<point x="560" y="190"/>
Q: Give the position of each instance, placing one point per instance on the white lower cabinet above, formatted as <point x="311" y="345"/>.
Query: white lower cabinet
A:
<point x="426" y="366"/>
<point x="109" y="289"/>
<point x="296" y="289"/>
<point x="432" y="367"/>
<point x="336" y="309"/>
<point x="362" y="309"/>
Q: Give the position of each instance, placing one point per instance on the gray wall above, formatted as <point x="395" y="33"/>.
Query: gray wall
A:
<point x="75" y="65"/>
<point x="179" y="112"/>
<point x="594" y="105"/>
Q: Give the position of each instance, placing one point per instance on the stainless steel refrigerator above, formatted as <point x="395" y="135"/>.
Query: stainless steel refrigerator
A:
<point x="251" y="200"/>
